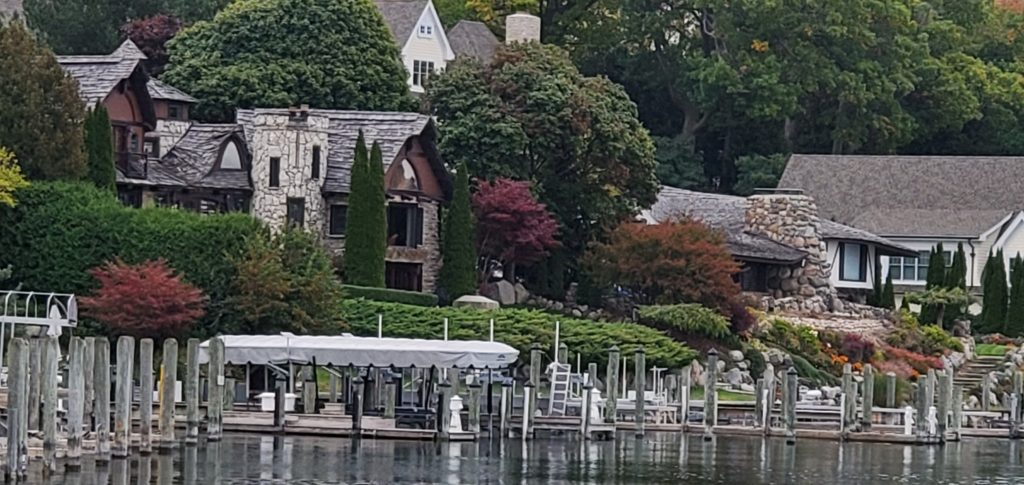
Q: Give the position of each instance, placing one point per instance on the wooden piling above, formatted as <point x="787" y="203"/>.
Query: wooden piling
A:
<point x="759" y="403"/>
<point x="528" y="411"/>
<point x="358" y="393"/>
<point x="146" y="396"/>
<point x="535" y="372"/>
<point x="442" y="409"/>
<point x="944" y="400"/>
<point x="215" y="407"/>
<point x="957" y="403"/>
<point x="921" y="408"/>
<point x="640" y="385"/>
<point x="611" y="385"/>
<point x="191" y="392"/>
<point x="280" y="399"/>
<point x="789" y="405"/>
<point x="76" y="402"/>
<point x="505" y="409"/>
<point x="49" y="355"/>
<point x="849" y="391"/>
<point x="101" y="405"/>
<point x="588" y="399"/>
<point x="890" y="390"/>
<point x="868" y="395"/>
<point x="167" y="381"/>
<point x="684" y="397"/>
<point x="89" y="372"/>
<point x="308" y="390"/>
<point x="986" y="390"/>
<point x="35" y="351"/>
<point x="123" y="397"/>
<point x="711" y="396"/>
<point x="474" y="406"/>
<point x="563" y="353"/>
<point x="769" y="397"/>
<point x="929" y="390"/>
<point x="229" y="398"/>
<point x="390" y="392"/>
<point x="18" y="355"/>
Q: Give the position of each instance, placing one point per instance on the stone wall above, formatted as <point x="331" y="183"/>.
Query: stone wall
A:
<point x="292" y="140"/>
<point x="170" y="132"/>
<point x="792" y="219"/>
<point x="10" y="9"/>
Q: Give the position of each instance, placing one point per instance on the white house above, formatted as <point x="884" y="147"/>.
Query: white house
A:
<point x="421" y="37"/>
<point x="920" y="201"/>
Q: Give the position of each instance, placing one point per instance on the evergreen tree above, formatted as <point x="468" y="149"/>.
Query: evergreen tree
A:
<point x="366" y="240"/>
<point x="1015" y="312"/>
<point x="99" y="149"/>
<point x="458" y="275"/>
<point x="888" y="297"/>
<point x="956" y="277"/>
<point x="904" y="305"/>
<point x="936" y="279"/>
<point x="995" y="297"/>
<point x="875" y="298"/>
<point x="986" y="286"/>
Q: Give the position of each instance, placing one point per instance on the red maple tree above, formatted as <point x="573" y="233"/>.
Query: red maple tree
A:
<point x="511" y="226"/>
<point x="151" y="35"/>
<point x="677" y="262"/>
<point x="143" y="300"/>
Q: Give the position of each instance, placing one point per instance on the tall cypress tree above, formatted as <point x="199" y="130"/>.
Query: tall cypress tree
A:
<point x="956" y="277"/>
<point x="995" y="297"/>
<point x="366" y="238"/>
<point x="1015" y="311"/>
<point x="875" y="299"/>
<point x="936" y="278"/>
<point x="986" y="287"/>
<point x="458" y="275"/>
<point x="888" y="296"/>
<point x="99" y="149"/>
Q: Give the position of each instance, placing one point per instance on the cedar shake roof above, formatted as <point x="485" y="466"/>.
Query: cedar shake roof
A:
<point x="390" y="129"/>
<point x="97" y="76"/>
<point x="895" y="195"/>
<point x="401" y="16"/>
<point x="160" y="90"/>
<point x="473" y="39"/>
<point x="727" y="213"/>
<point x="195" y="156"/>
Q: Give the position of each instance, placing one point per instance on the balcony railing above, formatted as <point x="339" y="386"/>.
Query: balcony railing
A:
<point x="133" y="165"/>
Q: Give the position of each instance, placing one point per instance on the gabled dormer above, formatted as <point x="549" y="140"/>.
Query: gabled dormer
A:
<point x="420" y="36"/>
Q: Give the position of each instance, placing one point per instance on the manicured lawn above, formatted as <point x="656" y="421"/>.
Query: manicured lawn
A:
<point x="723" y="395"/>
<point x="991" y="350"/>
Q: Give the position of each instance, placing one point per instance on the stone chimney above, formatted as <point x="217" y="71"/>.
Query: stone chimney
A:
<point x="791" y="218"/>
<point x="522" y="27"/>
<point x="10" y="10"/>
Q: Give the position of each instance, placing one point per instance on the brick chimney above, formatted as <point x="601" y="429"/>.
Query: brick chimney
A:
<point x="790" y="217"/>
<point x="522" y="27"/>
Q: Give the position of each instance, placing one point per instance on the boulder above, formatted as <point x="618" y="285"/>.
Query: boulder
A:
<point x="558" y="306"/>
<point x="734" y="378"/>
<point x="742" y="365"/>
<point x="506" y="293"/>
<point x="721" y="367"/>
<point x="577" y="313"/>
<point x="735" y="355"/>
<point x="973" y="402"/>
<point x="747" y="388"/>
<point x="697" y="374"/>
<point x="522" y="294"/>
<point x="476" y="301"/>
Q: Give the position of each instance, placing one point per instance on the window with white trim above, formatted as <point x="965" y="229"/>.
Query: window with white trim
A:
<point x="914" y="269"/>
<point x="421" y="70"/>
<point x="853" y="262"/>
<point x="426" y="30"/>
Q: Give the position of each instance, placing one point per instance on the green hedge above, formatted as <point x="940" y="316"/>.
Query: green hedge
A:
<point x="60" y="230"/>
<point x="390" y="295"/>
<point x="689" y="319"/>
<point x="518" y="328"/>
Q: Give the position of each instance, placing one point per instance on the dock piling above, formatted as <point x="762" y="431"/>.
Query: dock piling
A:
<point x="527" y="429"/>
<point x="759" y="402"/>
<point x="684" y="397"/>
<point x="849" y="401"/>
<point x="308" y="390"/>
<point x="332" y="388"/>
<point x="88" y="373"/>
<point x="76" y="402"/>
<point x="49" y="355"/>
<point x="588" y="399"/>
<point x="474" y="406"/>
<point x="640" y="384"/>
<point x="868" y="401"/>
<point x="17" y="408"/>
<point x="167" y="381"/>
<point x="563" y="353"/>
<point x="768" y="398"/>
<point x="358" y="393"/>
<point x="789" y="405"/>
<point x="711" y="395"/>
<point x="921" y="409"/>
<point x="391" y="389"/>
<point x="146" y="396"/>
<point x="958" y="410"/>
<point x="123" y="397"/>
<point x="192" y="391"/>
<point x="944" y="400"/>
<point x="986" y="390"/>
<point x="505" y="409"/>
<point x="35" y="351"/>
<point x="215" y="407"/>
<point x="611" y="383"/>
<point x="535" y="370"/>
<point x="101" y="405"/>
<point x="890" y="390"/>
<point x="444" y="433"/>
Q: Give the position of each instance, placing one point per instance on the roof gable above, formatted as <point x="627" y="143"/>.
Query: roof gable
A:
<point x="896" y="195"/>
<point x="401" y="16"/>
<point x="473" y="39"/>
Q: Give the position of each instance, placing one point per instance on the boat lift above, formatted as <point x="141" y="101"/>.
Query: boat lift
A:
<point x="52" y="310"/>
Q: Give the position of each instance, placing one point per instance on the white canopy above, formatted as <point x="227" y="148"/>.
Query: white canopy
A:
<point x="361" y="351"/>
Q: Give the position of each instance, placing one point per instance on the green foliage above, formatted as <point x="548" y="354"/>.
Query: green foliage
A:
<point x="678" y="165"/>
<point x="11" y="179"/>
<point x="99" y="149"/>
<point x="366" y="240"/>
<point x="936" y="279"/>
<point x="518" y="328"/>
<point x="530" y="115"/>
<point x="96" y="228"/>
<point x="41" y="115"/>
<point x="932" y="340"/>
<point x="939" y="299"/>
<point x="1015" y="310"/>
<point x="902" y="390"/>
<point x="888" y="298"/>
<point x="415" y="298"/>
<point x="688" y="320"/>
<point x="259" y="53"/>
<point x="937" y="340"/>
<point x="994" y="295"/>
<point x="956" y="276"/>
<point x="990" y="350"/>
<point x="458" y="273"/>
<point x="758" y="172"/>
<point x="809" y="372"/>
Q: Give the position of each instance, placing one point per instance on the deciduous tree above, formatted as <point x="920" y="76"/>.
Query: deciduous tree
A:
<point x="10" y="178"/>
<point x="257" y="53"/>
<point x="366" y="238"/>
<point x="41" y="115"/>
<point x="458" y="273"/>
<point x="144" y="300"/>
<point x="512" y="226"/>
<point x="151" y="34"/>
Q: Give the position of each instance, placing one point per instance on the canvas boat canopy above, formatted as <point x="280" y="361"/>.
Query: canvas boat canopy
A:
<point x="345" y="350"/>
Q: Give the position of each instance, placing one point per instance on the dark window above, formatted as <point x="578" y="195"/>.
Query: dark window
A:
<point x="403" y="276"/>
<point x="421" y="70"/>
<point x="130" y="197"/>
<point x="296" y="211"/>
<point x="405" y="225"/>
<point x="754" y="277"/>
<point x="853" y="259"/>
<point x="152" y="147"/>
<point x="316" y="162"/>
<point x="173" y="111"/>
<point x="338" y="220"/>
<point x="275" y="171"/>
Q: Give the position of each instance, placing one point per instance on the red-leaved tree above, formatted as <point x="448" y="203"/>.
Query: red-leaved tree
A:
<point x="143" y="300"/>
<point x="151" y="35"/>
<point x="511" y="226"/>
<point x="677" y="262"/>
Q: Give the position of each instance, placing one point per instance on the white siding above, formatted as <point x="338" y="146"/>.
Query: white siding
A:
<point x="834" y="276"/>
<point x="432" y="48"/>
<point x="920" y="245"/>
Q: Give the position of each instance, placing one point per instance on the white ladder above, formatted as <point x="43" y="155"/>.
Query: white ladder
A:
<point x="559" y="389"/>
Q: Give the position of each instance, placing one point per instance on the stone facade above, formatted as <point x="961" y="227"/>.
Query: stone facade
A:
<point x="10" y="9"/>
<point x="792" y="219"/>
<point x="291" y="139"/>
<point x="170" y="131"/>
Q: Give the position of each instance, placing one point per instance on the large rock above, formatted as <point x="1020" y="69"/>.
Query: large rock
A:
<point x="522" y="294"/>
<point x="506" y="293"/>
<point x="697" y="374"/>
<point x="734" y="378"/>
<point x="736" y="355"/>
<point x="476" y="301"/>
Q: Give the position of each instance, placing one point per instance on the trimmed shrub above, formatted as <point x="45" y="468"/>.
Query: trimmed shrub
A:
<point x="689" y="319"/>
<point x="389" y="295"/>
<point x="518" y="328"/>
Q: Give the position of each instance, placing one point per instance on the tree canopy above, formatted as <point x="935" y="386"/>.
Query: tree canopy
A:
<point x="366" y="240"/>
<point x="512" y="226"/>
<point x="530" y="115"/>
<point x="259" y="53"/>
<point x="41" y="119"/>
<point x="10" y="178"/>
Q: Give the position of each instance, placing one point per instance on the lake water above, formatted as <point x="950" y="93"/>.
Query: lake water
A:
<point x="660" y="458"/>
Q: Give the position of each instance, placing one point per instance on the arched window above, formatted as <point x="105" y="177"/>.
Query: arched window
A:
<point x="407" y="180"/>
<point x="231" y="156"/>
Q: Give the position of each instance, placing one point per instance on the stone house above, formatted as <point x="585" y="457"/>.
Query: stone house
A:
<point x="286" y="166"/>
<point x="785" y="249"/>
<point x="918" y="202"/>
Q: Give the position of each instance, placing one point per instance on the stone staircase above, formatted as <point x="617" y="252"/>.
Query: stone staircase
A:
<point x="971" y="373"/>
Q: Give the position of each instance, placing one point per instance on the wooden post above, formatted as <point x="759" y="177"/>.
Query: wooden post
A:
<point x="35" y="351"/>
<point x="50" y="354"/>
<point x="611" y="385"/>
<point x="76" y="402"/>
<point x="505" y="409"/>
<point x="890" y="390"/>
<point x="123" y="401"/>
<point x="563" y="353"/>
<point x="759" y="403"/>
<point x="101" y="407"/>
<point x="229" y="398"/>
<point x="167" y="381"/>
<point x="791" y="394"/>
<point x="215" y="408"/>
<point x="475" y="390"/>
<point x="684" y="397"/>
<point x="357" y="405"/>
<point x="535" y="372"/>
<point x="945" y="398"/>
<point x="442" y="409"/>
<point x="191" y="394"/>
<point x="986" y="389"/>
<point x="849" y="400"/>
<point x="640" y="385"/>
<point x="332" y="388"/>
<point x="710" y="396"/>
<point x="390" y="392"/>
<point x="308" y="390"/>
<point x="18" y="355"/>
<point x="280" y="398"/>
<point x="958" y="409"/>
<point x="929" y="390"/>
<point x="146" y="396"/>
<point x="868" y="404"/>
<point x="1014" y="405"/>
<point x="921" y="424"/>
<point x="768" y="397"/>
<point x="588" y="399"/>
<point x="89" y="373"/>
<point x="527" y="411"/>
